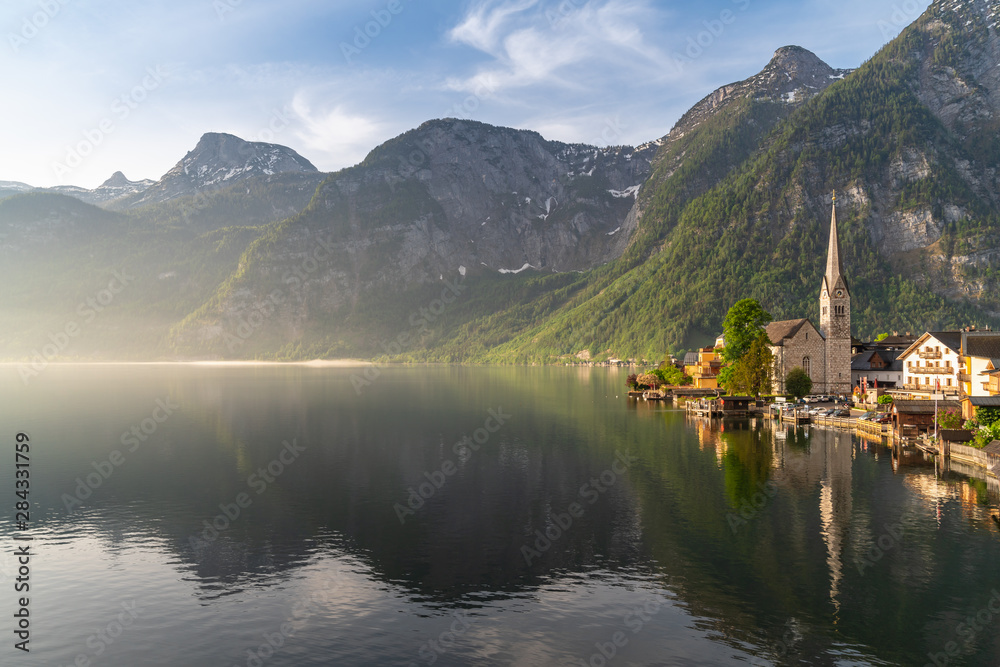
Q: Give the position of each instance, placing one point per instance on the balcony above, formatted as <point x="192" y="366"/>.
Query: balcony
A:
<point x="929" y="388"/>
<point x="932" y="370"/>
<point x="964" y="377"/>
<point x="929" y="355"/>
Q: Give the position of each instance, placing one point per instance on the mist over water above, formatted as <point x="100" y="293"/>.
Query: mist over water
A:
<point x="276" y="515"/>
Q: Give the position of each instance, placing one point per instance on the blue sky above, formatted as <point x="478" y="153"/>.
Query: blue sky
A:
<point x="95" y="86"/>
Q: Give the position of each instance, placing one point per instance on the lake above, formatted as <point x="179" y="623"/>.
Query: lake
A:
<point x="287" y="515"/>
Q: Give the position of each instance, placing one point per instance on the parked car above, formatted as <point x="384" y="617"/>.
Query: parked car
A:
<point x="866" y="416"/>
<point x="842" y="413"/>
<point x="883" y="418"/>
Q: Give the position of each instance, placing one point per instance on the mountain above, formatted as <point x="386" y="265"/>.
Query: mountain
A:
<point x="10" y="188"/>
<point x="219" y="161"/>
<point x="463" y="241"/>
<point x="116" y="187"/>
<point x="452" y="198"/>
<point x="909" y="142"/>
<point x="475" y="234"/>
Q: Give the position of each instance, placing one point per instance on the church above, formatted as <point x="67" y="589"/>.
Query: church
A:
<point x="824" y="353"/>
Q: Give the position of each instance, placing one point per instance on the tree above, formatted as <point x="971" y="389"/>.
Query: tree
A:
<point x="743" y="325"/>
<point x="987" y="416"/>
<point x="751" y="375"/>
<point x="881" y="337"/>
<point x="798" y="383"/>
<point x="648" y="380"/>
<point x="632" y="381"/>
<point x="884" y="399"/>
<point x="673" y="376"/>
<point x="949" y="419"/>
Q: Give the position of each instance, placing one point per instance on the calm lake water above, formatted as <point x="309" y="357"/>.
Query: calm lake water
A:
<point x="472" y="516"/>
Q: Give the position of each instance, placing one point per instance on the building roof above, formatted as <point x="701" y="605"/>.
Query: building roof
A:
<point x="981" y="344"/>
<point x="985" y="401"/>
<point x="779" y="331"/>
<point x="924" y="407"/>
<point x="691" y="359"/>
<point x="901" y="342"/>
<point x="958" y="435"/>
<point x="863" y="360"/>
<point x="951" y="339"/>
<point x="834" y="276"/>
<point x="993" y="448"/>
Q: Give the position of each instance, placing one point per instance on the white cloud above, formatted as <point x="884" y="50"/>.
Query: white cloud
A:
<point x="573" y="45"/>
<point x="482" y="25"/>
<point x="331" y="134"/>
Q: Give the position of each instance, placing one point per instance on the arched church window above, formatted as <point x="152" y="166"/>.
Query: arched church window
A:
<point x="806" y="366"/>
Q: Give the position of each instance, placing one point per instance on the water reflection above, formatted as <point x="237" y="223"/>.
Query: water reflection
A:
<point x="758" y="541"/>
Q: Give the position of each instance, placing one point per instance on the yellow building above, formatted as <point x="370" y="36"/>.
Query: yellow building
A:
<point x="980" y="358"/>
<point x="705" y="373"/>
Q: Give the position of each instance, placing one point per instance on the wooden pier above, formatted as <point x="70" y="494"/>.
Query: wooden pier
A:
<point x="726" y="406"/>
<point x="846" y="423"/>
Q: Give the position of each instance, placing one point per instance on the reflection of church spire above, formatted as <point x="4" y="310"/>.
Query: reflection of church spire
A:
<point x="835" y="505"/>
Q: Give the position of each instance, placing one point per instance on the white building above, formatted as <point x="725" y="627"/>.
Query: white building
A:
<point x="933" y="363"/>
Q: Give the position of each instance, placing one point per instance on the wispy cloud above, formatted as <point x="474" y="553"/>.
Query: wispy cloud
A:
<point x="572" y="45"/>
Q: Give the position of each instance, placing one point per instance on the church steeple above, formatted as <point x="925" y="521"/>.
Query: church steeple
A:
<point x="834" y="277"/>
<point x="835" y="315"/>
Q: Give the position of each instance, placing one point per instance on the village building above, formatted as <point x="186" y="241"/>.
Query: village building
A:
<point x="879" y="369"/>
<point x="914" y="417"/>
<point x="705" y="368"/>
<point x="797" y="343"/>
<point x="980" y="356"/>
<point x="932" y="365"/>
<point x="823" y="353"/>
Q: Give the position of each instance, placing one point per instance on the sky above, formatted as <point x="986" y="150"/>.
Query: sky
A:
<point x="91" y="87"/>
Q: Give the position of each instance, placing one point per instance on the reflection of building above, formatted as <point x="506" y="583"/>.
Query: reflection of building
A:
<point x="824" y="354"/>
<point x="705" y="370"/>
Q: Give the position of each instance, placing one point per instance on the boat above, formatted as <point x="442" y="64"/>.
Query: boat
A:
<point x="654" y="395"/>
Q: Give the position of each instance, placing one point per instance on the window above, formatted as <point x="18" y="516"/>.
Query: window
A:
<point x="949" y="382"/>
<point x="807" y="335"/>
<point x="806" y="366"/>
<point x="824" y="310"/>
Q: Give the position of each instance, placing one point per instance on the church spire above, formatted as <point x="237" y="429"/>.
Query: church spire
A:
<point x="834" y="271"/>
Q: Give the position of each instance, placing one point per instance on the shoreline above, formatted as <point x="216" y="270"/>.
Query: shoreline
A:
<point x="315" y="363"/>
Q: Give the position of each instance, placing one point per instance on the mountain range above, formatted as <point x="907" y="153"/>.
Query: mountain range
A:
<point x="460" y="241"/>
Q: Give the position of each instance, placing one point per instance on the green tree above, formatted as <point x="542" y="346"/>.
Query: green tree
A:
<point x="885" y="399"/>
<point x="798" y="383"/>
<point x="881" y="337"/>
<point x="987" y="416"/>
<point x="673" y="376"/>
<point x="743" y="325"/>
<point x="751" y="375"/>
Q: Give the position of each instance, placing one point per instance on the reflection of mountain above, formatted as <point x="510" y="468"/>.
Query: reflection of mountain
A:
<point x="792" y="566"/>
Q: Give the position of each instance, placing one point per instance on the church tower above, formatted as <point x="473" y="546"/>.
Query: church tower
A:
<point x="835" y="315"/>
